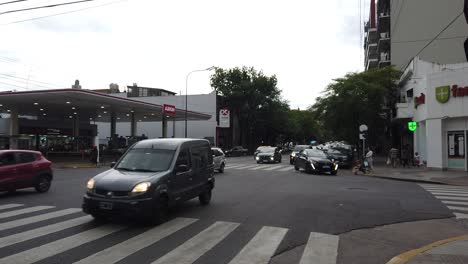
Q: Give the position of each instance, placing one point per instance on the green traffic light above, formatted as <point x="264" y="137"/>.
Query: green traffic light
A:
<point x="412" y="126"/>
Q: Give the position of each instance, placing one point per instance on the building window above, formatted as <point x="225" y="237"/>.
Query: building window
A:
<point x="456" y="149"/>
<point x="409" y="93"/>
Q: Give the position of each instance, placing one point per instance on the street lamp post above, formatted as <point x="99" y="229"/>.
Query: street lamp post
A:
<point x="186" y="97"/>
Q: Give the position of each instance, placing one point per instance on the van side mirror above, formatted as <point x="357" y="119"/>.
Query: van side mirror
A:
<point x="112" y="164"/>
<point x="181" y="168"/>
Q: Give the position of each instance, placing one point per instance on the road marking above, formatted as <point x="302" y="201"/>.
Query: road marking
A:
<point x="450" y="194"/>
<point x="245" y="167"/>
<point x="464" y="209"/>
<point x="126" y="248"/>
<point x="8" y="206"/>
<point x="198" y="245"/>
<point x="260" y="167"/>
<point x="452" y="197"/>
<point x="446" y="189"/>
<point x="261" y="248"/>
<point x="287" y="168"/>
<point x="24" y="211"/>
<point x="61" y="245"/>
<point x="274" y="168"/>
<point x="38" y="218"/>
<point x="320" y="249"/>
<point x="461" y="216"/>
<point x="455" y="202"/>
<point x="234" y="166"/>
<point x="42" y="231"/>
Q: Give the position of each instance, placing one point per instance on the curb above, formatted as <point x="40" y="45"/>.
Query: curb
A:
<point x="408" y="255"/>
<point x="409" y="180"/>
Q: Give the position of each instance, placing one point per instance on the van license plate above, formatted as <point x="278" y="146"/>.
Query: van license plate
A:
<point x="326" y="167"/>
<point x="105" y="205"/>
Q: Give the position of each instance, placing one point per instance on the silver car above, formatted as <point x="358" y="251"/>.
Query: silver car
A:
<point x="219" y="159"/>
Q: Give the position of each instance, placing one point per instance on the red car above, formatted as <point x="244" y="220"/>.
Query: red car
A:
<point x="22" y="169"/>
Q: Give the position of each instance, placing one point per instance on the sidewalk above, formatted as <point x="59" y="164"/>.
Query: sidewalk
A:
<point x="78" y="165"/>
<point x="449" y="251"/>
<point x="451" y="177"/>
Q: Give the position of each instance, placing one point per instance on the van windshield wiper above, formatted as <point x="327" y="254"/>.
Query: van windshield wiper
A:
<point x="137" y="170"/>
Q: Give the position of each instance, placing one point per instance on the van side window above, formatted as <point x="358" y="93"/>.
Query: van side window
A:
<point x="183" y="158"/>
<point x="197" y="158"/>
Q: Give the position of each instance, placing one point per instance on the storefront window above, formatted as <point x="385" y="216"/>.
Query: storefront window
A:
<point x="456" y="149"/>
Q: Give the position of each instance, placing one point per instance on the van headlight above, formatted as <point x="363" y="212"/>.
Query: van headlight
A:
<point x="293" y="154"/>
<point x="336" y="166"/>
<point x="257" y="158"/>
<point x="141" y="187"/>
<point x="90" y="184"/>
<point x="271" y="158"/>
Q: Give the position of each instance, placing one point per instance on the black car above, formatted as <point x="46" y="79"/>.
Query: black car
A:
<point x="258" y="150"/>
<point x="315" y="161"/>
<point x="342" y="157"/>
<point x="236" y="151"/>
<point x="295" y="151"/>
<point x="268" y="155"/>
<point x="152" y="176"/>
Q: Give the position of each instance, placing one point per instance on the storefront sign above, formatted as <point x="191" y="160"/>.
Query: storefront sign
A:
<point x="224" y="118"/>
<point x="419" y="100"/>
<point x="443" y="93"/>
<point x="412" y="126"/>
<point x="169" y="109"/>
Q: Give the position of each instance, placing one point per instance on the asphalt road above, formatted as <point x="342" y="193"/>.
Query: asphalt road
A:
<point x="257" y="212"/>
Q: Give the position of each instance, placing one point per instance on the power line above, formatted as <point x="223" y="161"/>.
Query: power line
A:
<point x="15" y="85"/>
<point x="63" y="13"/>
<point x="29" y="80"/>
<point x="42" y="7"/>
<point x="421" y="40"/>
<point x="12" y="2"/>
<point x="26" y="83"/>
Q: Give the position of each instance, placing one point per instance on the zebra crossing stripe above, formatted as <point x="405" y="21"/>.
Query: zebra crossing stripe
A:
<point x="456" y="203"/>
<point x="461" y="216"/>
<point x="234" y="166"/>
<point x="465" y="209"/>
<point x="463" y="188"/>
<point x="450" y="194"/>
<point x="449" y="191"/>
<point x="273" y="168"/>
<point x="24" y="211"/>
<point x="120" y="251"/>
<point x="8" y="206"/>
<point x="320" y="249"/>
<point x="245" y="167"/>
<point x="259" y="167"/>
<point x="61" y="245"/>
<point x="452" y="197"/>
<point x="261" y="248"/>
<point x="27" y="235"/>
<point x="287" y="168"/>
<point x="198" y="245"/>
<point x="38" y="218"/>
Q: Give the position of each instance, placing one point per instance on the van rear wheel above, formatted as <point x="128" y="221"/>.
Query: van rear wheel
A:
<point x="205" y="197"/>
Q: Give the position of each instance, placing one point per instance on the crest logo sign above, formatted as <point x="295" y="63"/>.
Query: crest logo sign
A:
<point x="443" y="94"/>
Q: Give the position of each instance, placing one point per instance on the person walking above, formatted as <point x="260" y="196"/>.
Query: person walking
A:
<point x="393" y="155"/>
<point x="405" y="156"/>
<point x="370" y="159"/>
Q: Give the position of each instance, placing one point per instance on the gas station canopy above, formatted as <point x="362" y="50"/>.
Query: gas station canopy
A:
<point x="63" y="104"/>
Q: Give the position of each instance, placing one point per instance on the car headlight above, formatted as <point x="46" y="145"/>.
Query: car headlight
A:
<point x="141" y="187"/>
<point x="90" y="184"/>
<point x="293" y="154"/>
<point x="272" y="158"/>
<point x="257" y="158"/>
<point x="336" y="166"/>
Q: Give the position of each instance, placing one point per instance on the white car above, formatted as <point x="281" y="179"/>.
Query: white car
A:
<point x="219" y="159"/>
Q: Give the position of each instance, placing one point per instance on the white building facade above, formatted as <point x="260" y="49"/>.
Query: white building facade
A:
<point x="202" y="103"/>
<point x="436" y="97"/>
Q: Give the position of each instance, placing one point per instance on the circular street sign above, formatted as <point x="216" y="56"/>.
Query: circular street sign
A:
<point x="362" y="128"/>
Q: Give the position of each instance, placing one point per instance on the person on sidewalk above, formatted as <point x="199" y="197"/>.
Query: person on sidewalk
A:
<point x="369" y="158"/>
<point x="405" y="156"/>
<point x="417" y="159"/>
<point x="94" y="154"/>
<point x="393" y="155"/>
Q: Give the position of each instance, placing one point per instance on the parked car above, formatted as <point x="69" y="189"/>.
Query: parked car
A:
<point x="296" y="150"/>
<point x="268" y="155"/>
<point x="219" y="159"/>
<point x="236" y="151"/>
<point x="258" y="150"/>
<point x="315" y="161"/>
<point x="150" y="177"/>
<point x="342" y="157"/>
<point x="23" y="169"/>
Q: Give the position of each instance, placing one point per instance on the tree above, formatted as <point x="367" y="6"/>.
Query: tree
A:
<point x="258" y="111"/>
<point x="357" y="98"/>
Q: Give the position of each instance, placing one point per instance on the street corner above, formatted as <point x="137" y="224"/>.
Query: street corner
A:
<point x="454" y="247"/>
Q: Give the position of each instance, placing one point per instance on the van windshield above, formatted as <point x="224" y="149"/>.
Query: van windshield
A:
<point x="146" y="160"/>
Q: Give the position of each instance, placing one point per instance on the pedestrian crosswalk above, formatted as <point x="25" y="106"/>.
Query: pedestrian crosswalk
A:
<point x="454" y="197"/>
<point x="263" y="167"/>
<point x="70" y="229"/>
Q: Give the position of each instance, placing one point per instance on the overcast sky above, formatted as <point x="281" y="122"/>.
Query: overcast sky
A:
<point x="155" y="43"/>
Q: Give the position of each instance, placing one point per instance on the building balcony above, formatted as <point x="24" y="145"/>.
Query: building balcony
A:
<point x="372" y="35"/>
<point x="384" y="22"/>
<point x="384" y="43"/>
<point x="372" y="63"/>
<point x="404" y="111"/>
<point x="371" y="51"/>
<point x="384" y="60"/>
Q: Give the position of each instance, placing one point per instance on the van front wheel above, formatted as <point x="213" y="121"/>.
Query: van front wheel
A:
<point x="205" y="197"/>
